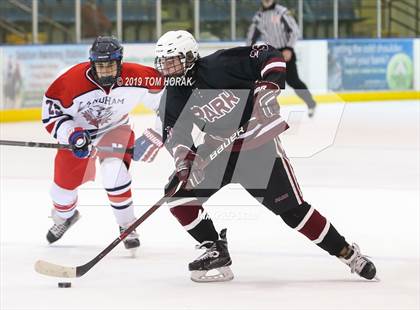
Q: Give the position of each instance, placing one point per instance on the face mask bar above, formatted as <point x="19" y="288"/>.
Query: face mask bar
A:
<point x="106" y="72"/>
<point x="171" y="66"/>
<point x="175" y="65"/>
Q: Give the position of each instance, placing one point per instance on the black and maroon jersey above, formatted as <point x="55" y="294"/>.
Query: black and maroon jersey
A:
<point x="74" y="99"/>
<point x="221" y="98"/>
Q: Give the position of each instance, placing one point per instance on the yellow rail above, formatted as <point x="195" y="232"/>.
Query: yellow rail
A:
<point x="34" y="114"/>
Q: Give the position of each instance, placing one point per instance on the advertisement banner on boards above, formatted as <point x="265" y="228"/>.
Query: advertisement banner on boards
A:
<point x="370" y="64"/>
<point x="28" y="71"/>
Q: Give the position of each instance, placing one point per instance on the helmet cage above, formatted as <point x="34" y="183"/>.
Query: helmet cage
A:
<point x="187" y="62"/>
<point x="178" y="44"/>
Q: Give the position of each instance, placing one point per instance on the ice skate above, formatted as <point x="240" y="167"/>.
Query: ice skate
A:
<point x="359" y="263"/>
<point x="311" y="111"/>
<point x="213" y="264"/>
<point x="60" y="225"/>
<point x="131" y="242"/>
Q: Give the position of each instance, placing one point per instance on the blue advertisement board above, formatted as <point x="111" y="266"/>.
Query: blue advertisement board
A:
<point x="370" y="64"/>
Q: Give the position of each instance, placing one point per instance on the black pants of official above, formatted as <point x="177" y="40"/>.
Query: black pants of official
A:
<point x="293" y="80"/>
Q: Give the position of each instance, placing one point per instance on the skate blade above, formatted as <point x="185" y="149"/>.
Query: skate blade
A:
<point x="201" y="276"/>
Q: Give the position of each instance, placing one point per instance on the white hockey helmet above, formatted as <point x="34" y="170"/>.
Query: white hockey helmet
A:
<point x="175" y="45"/>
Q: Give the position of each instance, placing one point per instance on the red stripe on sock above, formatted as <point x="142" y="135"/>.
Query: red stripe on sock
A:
<point x="314" y="226"/>
<point x="64" y="208"/>
<point x="120" y="198"/>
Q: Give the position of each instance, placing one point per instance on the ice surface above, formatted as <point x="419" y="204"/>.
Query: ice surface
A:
<point x="365" y="181"/>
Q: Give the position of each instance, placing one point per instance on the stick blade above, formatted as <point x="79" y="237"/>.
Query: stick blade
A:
<point x="53" y="270"/>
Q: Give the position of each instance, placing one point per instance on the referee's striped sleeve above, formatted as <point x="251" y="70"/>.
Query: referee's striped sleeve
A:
<point x="253" y="32"/>
<point x="291" y="27"/>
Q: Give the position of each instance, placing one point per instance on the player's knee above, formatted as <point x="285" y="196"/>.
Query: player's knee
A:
<point x="294" y="216"/>
<point x="62" y="196"/>
<point x="114" y="173"/>
<point x="188" y="211"/>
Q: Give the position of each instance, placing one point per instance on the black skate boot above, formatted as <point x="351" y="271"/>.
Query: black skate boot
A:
<point x="311" y="109"/>
<point x="359" y="263"/>
<point x="61" y="226"/>
<point x="215" y="258"/>
<point x="132" y="240"/>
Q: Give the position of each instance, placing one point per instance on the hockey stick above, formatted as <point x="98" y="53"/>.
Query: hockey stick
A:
<point x="108" y="149"/>
<point x="54" y="270"/>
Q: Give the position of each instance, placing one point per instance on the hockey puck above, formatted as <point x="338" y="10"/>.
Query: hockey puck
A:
<point x="64" y="284"/>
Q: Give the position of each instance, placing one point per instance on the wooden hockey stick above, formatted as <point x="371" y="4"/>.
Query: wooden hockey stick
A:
<point x="107" y="149"/>
<point x="54" y="270"/>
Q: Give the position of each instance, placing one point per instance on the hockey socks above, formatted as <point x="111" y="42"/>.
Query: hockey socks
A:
<point x="191" y="215"/>
<point x="309" y="222"/>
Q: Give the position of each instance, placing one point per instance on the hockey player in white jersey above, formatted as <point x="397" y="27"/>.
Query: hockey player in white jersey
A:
<point x="88" y="106"/>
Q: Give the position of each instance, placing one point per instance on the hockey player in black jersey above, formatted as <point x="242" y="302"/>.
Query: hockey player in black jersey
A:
<point x="231" y="96"/>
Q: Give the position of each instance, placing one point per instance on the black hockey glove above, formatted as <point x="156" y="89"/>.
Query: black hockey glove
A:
<point x="266" y="106"/>
<point x="189" y="167"/>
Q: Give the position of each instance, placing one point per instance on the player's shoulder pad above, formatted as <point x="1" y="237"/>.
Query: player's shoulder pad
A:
<point x="70" y="84"/>
<point x="272" y="49"/>
<point x="272" y="53"/>
<point x="144" y="76"/>
<point x="227" y="54"/>
<point x="262" y="51"/>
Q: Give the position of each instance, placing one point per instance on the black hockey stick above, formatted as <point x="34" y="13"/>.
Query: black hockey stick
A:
<point x="108" y="149"/>
<point x="54" y="270"/>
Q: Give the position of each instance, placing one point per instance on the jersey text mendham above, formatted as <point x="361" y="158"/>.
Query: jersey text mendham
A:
<point x="74" y="99"/>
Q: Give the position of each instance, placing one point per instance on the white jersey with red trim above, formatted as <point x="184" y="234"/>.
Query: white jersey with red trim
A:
<point x="74" y="99"/>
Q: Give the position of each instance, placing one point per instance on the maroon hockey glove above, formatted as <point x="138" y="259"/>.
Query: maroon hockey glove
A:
<point x="266" y="106"/>
<point x="189" y="167"/>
